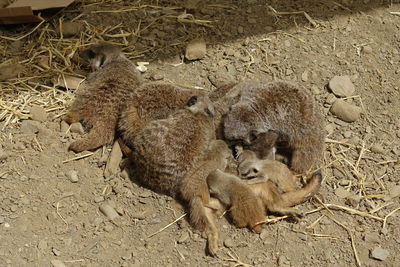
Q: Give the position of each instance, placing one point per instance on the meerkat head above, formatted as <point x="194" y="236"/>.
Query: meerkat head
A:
<point x="201" y="104"/>
<point x="241" y="124"/>
<point x="99" y="55"/>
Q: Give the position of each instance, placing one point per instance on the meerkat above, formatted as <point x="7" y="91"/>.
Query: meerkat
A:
<point x="246" y="208"/>
<point x="98" y="104"/>
<point x="283" y="113"/>
<point x="193" y="190"/>
<point x="152" y="101"/>
<point x="275" y="184"/>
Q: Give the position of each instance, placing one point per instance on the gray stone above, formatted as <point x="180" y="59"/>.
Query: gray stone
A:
<point x="345" y="111"/>
<point x="30" y="127"/>
<point x="341" y="192"/>
<point x="183" y="238"/>
<point x="229" y="243"/>
<point x="38" y="113"/>
<point x="73" y="176"/>
<point x="70" y="29"/>
<point x="377" y="148"/>
<point x="379" y="253"/>
<point x="341" y="86"/>
<point x="394" y="191"/>
<point x="196" y="49"/>
<point x="57" y="263"/>
<point x="77" y="127"/>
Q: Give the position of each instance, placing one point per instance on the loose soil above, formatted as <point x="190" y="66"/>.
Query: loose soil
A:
<point x="49" y="215"/>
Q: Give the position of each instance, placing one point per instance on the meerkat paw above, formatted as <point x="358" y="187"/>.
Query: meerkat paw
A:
<point x="77" y="146"/>
<point x="212" y="245"/>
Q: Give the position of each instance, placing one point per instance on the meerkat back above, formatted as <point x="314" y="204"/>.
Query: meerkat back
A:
<point x="103" y="96"/>
<point x="152" y="101"/>
<point x="285" y="109"/>
<point x="166" y="149"/>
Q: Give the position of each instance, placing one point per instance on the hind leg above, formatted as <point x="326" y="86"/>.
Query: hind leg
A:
<point x="99" y="135"/>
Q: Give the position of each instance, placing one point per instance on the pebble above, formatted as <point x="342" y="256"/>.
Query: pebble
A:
<point x="113" y="161"/>
<point x="330" y="99"/>
<point x="56" y="252"/>
<point x="38" y="113"/>
<point x="304" y="76"/>
<point x="57" y="263"/>
<point x="367" y="50"/>
<point x="109" y="211"/>
<point x="184" y="238"/>
<point x="30" y="127"/>
<point x="42" y="245"/>
<point x="196" y="49"/>
<point x="330" y="128"/>
<point x="127" y="256"/>
<point x="108" y="228"/>
<point x="10" y="71"/>
<point x="229" y="243"/>
<point x="155" y="220"/>
<point x="394" y="191"/>
<point x="73" y="176"/>
<point x="77" y="127"/>
<point x="372" y="237"/>
<point x="345" y="111"/>
<point x="379" y="253"/>
<point x="70" y="29"/>
<point x="341" y="86"/>
<point x="353" y="200"/>
<point x="341" y="192"/>
<point x="98" y="199"/>
<point x="3" y="155"/>
<point x="2" y="220"/>
<point x="377" y="148"/>
<point x="264" y="234"/>
<point x="240" y="29"/>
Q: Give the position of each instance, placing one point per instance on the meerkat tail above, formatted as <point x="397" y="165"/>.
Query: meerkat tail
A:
<point x="296" y="197"/>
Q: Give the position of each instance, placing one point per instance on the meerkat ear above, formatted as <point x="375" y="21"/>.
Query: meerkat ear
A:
<point x="192" y="101"/>
<point x="87" y="54"/>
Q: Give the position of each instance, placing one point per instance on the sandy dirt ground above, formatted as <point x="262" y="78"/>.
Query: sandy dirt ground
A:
<point x="50" y="197"/>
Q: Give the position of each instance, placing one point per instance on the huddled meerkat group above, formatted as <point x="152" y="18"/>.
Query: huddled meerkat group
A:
<point x="179" y="141"/>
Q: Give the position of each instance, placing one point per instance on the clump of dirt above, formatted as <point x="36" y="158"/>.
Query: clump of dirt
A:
<point x="53" y="201"/>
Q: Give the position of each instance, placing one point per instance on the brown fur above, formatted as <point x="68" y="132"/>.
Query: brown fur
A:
<point x="246" y="209"/>
<point x="152" y="101"/>
<point x="165" y="150"/>
<point x="98" y="104"/>
<point x="286" y="109"/>
<point x="194" y="191"/>
<point x="277" y="179"/>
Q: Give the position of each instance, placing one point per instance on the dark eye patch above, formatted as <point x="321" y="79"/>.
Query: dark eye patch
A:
<point x="192" y="101"/>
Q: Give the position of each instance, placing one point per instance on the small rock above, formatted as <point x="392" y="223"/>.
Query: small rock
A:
<point x="56" y="252"/>
<point x="183" y="238"/>
<point x="98" y="199"/>
<point x="70" y="29"/>
<point x="3" y="155"/>
<point x="1" y="220"/>
<point x="379" y="253"/>
<point x="341" y="86"/>
<point x="394" y="191"/>
<point x="330" y="99"/>
<point x="108" y="228"/>
<point x="341" y="192"/>
<point x="64" y="127"/>
<point x="264" y="234"/>
<point x="109" y="211"/>
<point x="196" y="49"/>
<point x="113" y="161"/>
<point x="345" y="111"/>
<point x="353" y="200"/>
<point x="304" y="76"/>
<point x="372" y="237"/>
<point x="367" y="50"/>
<point x="155" y="220"/>
<point x="240" y="29"/>
<point x="30" y="127"/>
<point x="73" y="176"/>
<point x="127" y="256"/>
<point x="77" y="127"/>
<point x="377" y="148"/>
<point x="347" y="134"/>
<point x="57" y="263"/>
<point x="38" y="113"/>
<point x="229" y="243"/>
<point x="330" y="128"/>
<point x="42" y="245"/>
<point x="10" y="71"/>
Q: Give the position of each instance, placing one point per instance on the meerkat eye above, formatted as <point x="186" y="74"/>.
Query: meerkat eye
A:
<point x="254" y="170"/>
<point x="192" y="101"/>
